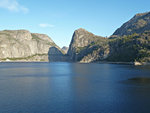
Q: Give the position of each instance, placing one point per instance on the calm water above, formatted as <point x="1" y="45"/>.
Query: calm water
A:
<point x="72" y="88"/>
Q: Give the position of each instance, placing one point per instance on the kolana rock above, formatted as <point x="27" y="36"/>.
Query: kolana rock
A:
<point x="21" y="45"/>
<point x="86" y="47"/>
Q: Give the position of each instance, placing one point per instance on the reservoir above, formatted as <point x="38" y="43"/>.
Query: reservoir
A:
<point x="74" y="88"/>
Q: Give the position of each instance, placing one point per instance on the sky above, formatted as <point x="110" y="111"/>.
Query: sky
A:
<point x="60" y="18"/>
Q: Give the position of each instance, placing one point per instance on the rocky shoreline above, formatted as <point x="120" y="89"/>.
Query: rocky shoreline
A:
<point x="98" y="62"/>
<point x="124" y="63"/>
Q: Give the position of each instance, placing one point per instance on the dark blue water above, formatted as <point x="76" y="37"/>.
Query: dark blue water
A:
<point x="72" y="88"/>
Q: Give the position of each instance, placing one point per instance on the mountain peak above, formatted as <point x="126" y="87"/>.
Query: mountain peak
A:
<point x="81" y="29"/>
<point x="138" y="24"/>
<point x="141" y="14"/>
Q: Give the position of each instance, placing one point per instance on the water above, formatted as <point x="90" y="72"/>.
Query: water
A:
<point x="72" y="88"/>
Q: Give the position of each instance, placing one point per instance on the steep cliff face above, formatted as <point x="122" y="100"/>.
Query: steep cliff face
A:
<point x="21" y="45"/>
<point x="138" y="24"/>
<point x="86" y="47"/>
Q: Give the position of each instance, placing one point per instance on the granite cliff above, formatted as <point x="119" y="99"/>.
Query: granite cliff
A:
<point x="87" y="47"/>
<point x="21" y="45"/>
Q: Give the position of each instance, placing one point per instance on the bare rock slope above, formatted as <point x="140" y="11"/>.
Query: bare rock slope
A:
<point x="86" y="47"/>
<point x="21" y="45"/>
<point x="138" y="24"/>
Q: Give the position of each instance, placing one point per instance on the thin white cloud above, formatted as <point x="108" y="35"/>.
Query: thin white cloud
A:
<point x="46" y="25"/>
<point x="13" y="5"/>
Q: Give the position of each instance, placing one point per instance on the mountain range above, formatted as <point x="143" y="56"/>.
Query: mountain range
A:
<point x="129" y="43"/>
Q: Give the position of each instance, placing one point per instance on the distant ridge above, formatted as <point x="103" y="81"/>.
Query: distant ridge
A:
<point x="138" y="24"/>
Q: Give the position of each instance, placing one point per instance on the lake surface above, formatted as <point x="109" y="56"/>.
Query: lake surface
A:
<point x="73" y="88"/>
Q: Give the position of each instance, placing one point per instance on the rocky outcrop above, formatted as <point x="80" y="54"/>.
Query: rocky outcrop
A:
<point x="86" y="47"/>
<point x="138" y="24"/>
<point x="21" y="45"/>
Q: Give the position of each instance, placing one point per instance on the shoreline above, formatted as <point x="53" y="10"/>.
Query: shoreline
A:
<point x="24" y="61"/>
<point x="129" y="63"/>
<point x="100" y="62"/>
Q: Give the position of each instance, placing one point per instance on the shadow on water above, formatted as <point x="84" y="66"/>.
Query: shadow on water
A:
<point x="140" y="76"/>
<point x="138" y="81"/>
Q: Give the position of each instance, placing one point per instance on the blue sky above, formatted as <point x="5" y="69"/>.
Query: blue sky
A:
<point x="59" y="18"/>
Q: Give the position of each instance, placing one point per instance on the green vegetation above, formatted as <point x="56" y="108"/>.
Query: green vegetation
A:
<point x="130" y="48"/>
<point x="34" y="37"/>
<point x="79" y="49"/>
<point x="24" y="58"/>
<point x="127" y="48"/>
<point x="50" y="43"/>
<point x="42" y="60"/>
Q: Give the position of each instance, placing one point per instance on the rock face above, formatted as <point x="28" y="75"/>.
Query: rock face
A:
<point x="138" y="24"/>
<point x="85" y="46"/>
<point x="65" y="49"/>
<point x="129" y="43"/>
<point x="21" y="45"/>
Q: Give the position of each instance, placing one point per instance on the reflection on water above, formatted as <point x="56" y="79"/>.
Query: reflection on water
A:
<point x="140" y="81"/>
<point x="73" y="88"/>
